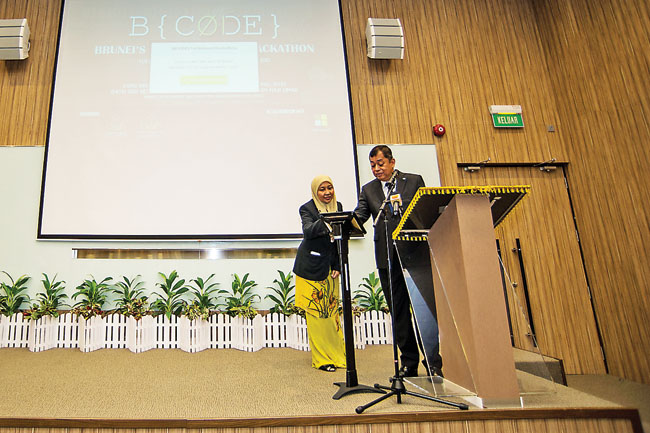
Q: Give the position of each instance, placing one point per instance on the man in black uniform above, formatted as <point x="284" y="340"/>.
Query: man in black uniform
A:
<point x="372" y="195"/>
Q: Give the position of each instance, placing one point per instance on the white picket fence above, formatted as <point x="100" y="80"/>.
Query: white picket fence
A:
<point x="376" y="328"/>
<point x="141" y="334"/>
<point x="220" y="332"/>
<point x="14" y="331"/>
<point x="42" y="333"/>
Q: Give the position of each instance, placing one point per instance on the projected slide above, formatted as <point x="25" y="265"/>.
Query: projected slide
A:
<point x="199" y="119"/>
<point x="204" y="67"/>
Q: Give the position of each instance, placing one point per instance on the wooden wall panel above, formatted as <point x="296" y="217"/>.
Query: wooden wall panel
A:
<point x="517" y="425"/>
<point x="559" y="299"/>
<point x="460" y="58"/>
<point x="537" y="426"/>
<point x="25" y="85"/>
<point x="602" y="88"/>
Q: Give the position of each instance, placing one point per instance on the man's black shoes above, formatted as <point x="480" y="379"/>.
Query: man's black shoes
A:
<point x="407" y="371"/>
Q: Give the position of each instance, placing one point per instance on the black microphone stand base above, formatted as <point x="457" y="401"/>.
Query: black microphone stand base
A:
<point x="344" y="389"/>
<point x="351" y="386"/>
<point x="398" y="389"/>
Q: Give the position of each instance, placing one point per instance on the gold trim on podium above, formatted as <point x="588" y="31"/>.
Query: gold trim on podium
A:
<point x="511" y="193"/>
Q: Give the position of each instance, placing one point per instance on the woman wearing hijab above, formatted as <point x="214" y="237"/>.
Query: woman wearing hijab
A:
<point x="317" y="286"/>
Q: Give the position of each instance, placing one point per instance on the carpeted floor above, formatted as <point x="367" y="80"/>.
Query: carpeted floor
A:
<point x="213" y="384"/>
<point x="620" y="391"/>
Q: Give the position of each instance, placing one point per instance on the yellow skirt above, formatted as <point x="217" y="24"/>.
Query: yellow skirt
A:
<point x="320" y="300"/>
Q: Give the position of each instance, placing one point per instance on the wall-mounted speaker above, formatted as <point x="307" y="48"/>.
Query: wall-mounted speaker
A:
<point x="385" y="38"/>
<point x="14" y="39"/>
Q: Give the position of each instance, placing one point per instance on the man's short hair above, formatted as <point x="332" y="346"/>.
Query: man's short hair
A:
<point x="385" y="150"/>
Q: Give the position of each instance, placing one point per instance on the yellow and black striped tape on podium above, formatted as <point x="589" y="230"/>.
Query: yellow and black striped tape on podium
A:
<point x="518" y="190"/>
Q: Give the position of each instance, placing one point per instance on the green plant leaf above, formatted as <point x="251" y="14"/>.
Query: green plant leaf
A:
<point x="170" y="301"/>
<point x="12" y="299"/>
<point x="283" y="296"/>
<point x="93" y="296"/>
<point x="371" y="297"/>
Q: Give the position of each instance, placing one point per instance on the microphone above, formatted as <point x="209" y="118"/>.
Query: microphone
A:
<point x="396" y="203"/>
<point x="391" y="185"/>
<point x="391" y="182"/>
<point x="393" y="198"/>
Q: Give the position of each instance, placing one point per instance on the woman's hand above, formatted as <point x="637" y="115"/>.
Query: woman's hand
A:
<point x="335" y="274"/>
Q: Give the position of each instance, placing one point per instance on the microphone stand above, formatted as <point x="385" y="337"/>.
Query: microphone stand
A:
<point x="397" y="387"/>
<point x="391" y="186"/>
<point x="341" y="233"/>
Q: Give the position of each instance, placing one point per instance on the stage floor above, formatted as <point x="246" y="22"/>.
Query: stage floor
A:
<point x="213" y="384"/>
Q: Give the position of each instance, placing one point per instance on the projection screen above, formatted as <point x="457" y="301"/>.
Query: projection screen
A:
<point x="198" y="119"/>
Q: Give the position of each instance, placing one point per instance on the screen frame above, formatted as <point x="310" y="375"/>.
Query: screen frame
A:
<point x="181" y="237"/>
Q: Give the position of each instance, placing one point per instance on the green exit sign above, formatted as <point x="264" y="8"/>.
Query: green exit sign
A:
<point x="506" y="116"/>
<point x="507" y="120"/>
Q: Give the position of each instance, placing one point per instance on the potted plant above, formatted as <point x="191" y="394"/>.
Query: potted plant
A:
<point x="371" y="297"/>
<point x="247" y="326"/>
<point x="283" y="295"/>
<point x="239" y="301"/>
<point x="131" y="300"/>
<point x="133" y="304"/>
<point x="375" y="318"/>
<point x="277" y="322"/>
<point x="169" y="304"/>
<point x="90" y="311"/>
<point x="11" y="299"/>
<point x="11" y="296"/>
<point x="43" y="316"/>
<point x="194" y="329"/>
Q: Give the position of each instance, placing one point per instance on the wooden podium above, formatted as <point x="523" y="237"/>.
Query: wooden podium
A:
<point x="458" y="225"/>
